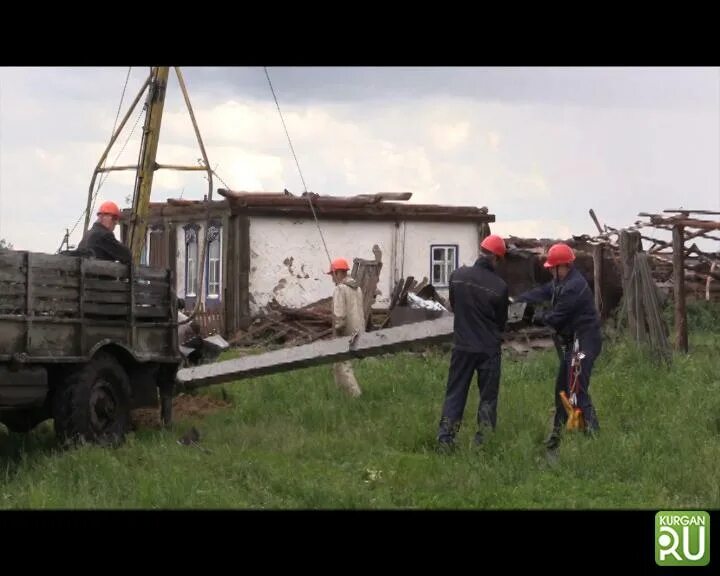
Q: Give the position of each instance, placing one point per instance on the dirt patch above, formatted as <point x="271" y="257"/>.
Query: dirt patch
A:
<point x="185" y="407"/>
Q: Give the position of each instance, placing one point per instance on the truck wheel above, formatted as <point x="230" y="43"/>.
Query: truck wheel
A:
<point x="93" y="403"/>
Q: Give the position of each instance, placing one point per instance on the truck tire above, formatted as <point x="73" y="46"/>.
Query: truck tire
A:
<point x="93" y="403"/>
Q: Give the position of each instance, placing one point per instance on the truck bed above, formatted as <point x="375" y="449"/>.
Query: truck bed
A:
<point x="57" y="308"/>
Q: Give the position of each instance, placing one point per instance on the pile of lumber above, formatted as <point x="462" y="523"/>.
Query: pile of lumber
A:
<point x="286" y="326"/>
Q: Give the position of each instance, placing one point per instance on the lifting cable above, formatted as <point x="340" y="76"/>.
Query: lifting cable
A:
<point x="292" y="149"/>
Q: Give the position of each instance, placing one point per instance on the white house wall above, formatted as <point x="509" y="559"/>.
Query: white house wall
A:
<point x="288" y="261"/>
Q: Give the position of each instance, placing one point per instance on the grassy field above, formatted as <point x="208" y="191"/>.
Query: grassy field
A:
<point x="294" y="441"/>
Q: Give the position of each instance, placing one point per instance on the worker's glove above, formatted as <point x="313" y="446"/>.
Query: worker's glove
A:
<point x="538" y="318"/>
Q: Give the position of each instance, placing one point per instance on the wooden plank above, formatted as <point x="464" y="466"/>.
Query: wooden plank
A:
<point x="55" y="307"/>
<point x="12" y="275"/>
<point x="628" y="247"/>
<point x="681" y="336"/>
<point x="82" y="264"/>
<point x="317" y="353"/>
<point x="230" y="276"/>
<point x="13" y="303"/>
<point x="173" y="312"/>
<point x="151" y="299"/>
<point x="11" y="289"/>
<point x="93" y="309"/>
<point x="396" y="294"/>
<point x="54" y="262"/>
<point x="104" y="268"/>
<point x="171" y="228"/>
<point x="152" y="311"/>
<point x="595" y="219"/>
<point x="367" y="273"/>
<point x="150" y="273"/>
<point x="107" y="285"/>
<point x="55" y="278"/>
<point x="12" y="259"/>
<point x="597" y="276"/>
<point x="29" y="304"/>
<point x="154" y="287"/>
<point x="131" y="308"/>
<point x="409" y="281"/>
<point x="56" y="293"/>
<point x="244" y="265"/>
<point x="691" y="211"/>
<point x="99" y="296"/>
<point x="687" y="223"/>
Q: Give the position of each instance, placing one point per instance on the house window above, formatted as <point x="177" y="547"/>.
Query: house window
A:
<point x="443" y="260"/>
<point x="191" y="259"/>
<point x="214" y="265"/>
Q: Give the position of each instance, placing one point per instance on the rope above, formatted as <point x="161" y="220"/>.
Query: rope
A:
<point x="292" y="149"/>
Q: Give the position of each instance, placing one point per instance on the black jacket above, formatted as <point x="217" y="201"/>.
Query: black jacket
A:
<point x="573" y="305"/>
<point x="479" y="299"/>
<point x="102" y="244"/>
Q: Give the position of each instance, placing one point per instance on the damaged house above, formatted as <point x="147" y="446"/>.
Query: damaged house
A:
<point x="266" y="247"/>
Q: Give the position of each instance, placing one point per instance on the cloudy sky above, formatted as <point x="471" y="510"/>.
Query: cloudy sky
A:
<point x="538" y="146"/>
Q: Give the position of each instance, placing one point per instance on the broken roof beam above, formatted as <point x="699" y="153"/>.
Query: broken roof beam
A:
<point x="682" y="211"/>
<point x="659" y="220"/>
<point x="359" y="198"/>
<point x="383" y="196"/>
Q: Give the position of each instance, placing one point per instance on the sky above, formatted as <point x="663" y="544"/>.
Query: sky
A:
<point x="538" y="146"/>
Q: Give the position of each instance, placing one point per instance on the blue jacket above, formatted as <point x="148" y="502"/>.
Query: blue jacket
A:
<point x="573" y="305"/>
<point x="479" y="299"/>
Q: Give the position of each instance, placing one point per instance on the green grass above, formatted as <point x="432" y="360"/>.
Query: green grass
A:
<point x="294" y="441"/>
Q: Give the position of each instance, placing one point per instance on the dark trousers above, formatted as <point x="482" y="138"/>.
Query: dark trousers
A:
<point x="590" y="345"/>
<point x="463" y="365"/>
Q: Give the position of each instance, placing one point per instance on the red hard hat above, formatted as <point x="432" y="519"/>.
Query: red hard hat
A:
<point x="339" y="264"/>
<point x="558" y="255"/>
<point x="494" y="244"/>
<point x="109" y="207"/>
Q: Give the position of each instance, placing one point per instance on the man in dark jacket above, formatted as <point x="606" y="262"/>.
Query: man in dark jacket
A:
<point x="100" y="240"/>
<point x="479" y="299"/>
<point x="577" y="324"/>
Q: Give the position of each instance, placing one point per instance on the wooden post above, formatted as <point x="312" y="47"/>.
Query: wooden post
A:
<point x="171" y="247"/>
<point x="243" y="247"/>
<point x="628" y="248"/>
<point x="597" y="276"/>
<point x="681" y="336"/>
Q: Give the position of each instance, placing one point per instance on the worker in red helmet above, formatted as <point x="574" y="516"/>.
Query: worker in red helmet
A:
<point x="348" y="319"/>
<point x="479" y="299"/>
<point x="576" y="322"/>
<point x="100" y="242"/>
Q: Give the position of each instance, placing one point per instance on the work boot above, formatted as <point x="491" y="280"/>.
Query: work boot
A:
<point x="445" y="447"/>
<point x="592" y="426"/>
<point x="482" y="432"/>
<point x="592" y="431"/>
<point x="552" y="442"/>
